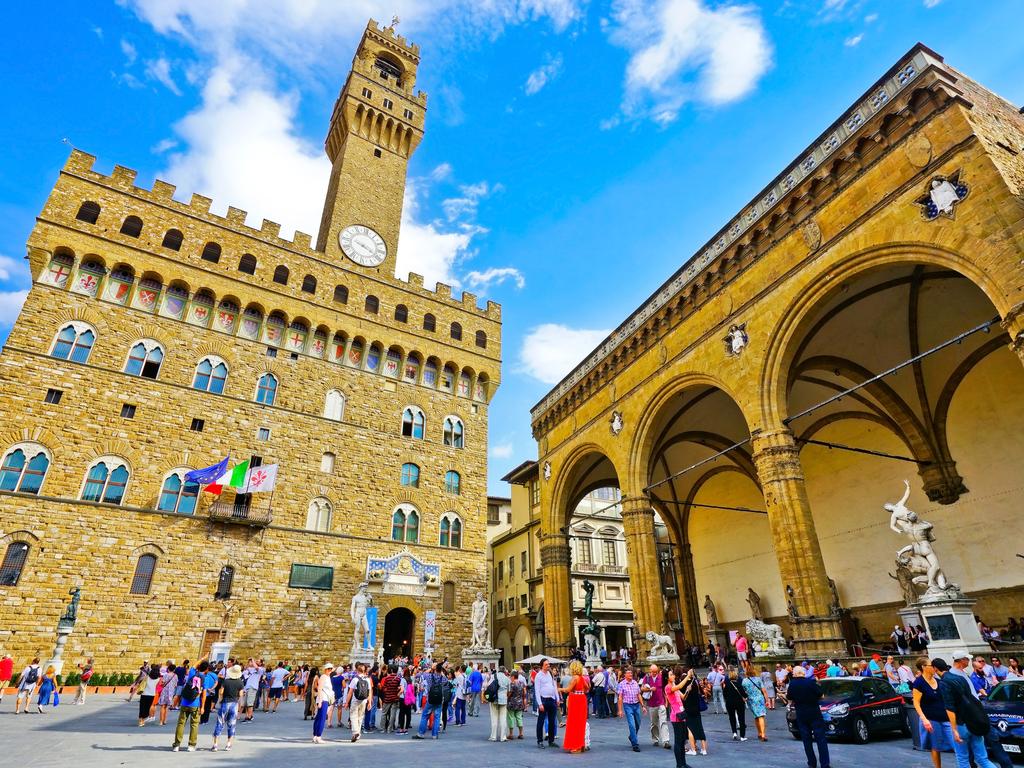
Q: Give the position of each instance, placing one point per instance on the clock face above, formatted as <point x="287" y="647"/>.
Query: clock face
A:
<point x="364" y="246"/>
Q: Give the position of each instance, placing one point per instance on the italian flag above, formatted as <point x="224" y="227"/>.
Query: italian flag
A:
<point x="233" y="478"/>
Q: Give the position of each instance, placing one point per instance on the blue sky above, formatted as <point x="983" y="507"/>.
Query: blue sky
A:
<point x="576" y="153"/>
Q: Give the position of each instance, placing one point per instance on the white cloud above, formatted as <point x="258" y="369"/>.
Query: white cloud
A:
<point x="853" y="42"/>
<point x="550" y="351"/>
<point x="160" y="70"/>
<point x="683" y="50"/>
<point x="470" y="195"/>
<point x="871" y="18"/>
<point x="129" y="51"/>
<point x="163" y="146"/>
<point x="543" y="75"/>
<point x="443" y="172"/>
<point x="428" y="248"/>
<point x="931" y="3"/>
<point x="10" y="268"/>
<point x="10" y="306"/>
<point x="502" y="451"/>
<point x="495" y="276"/>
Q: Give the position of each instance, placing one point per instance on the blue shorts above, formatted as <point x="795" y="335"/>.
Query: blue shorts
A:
<point x="275" y="693"/>
<point x="940" y="739"/>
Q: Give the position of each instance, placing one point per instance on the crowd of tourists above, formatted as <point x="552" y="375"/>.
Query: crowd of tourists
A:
<point x="670" y="702"/>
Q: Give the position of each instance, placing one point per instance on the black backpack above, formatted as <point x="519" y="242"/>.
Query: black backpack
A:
<point x="435" y="693"/>
<point x="362" y="689"/>
<point x="33" y="675"/>
<point x="193" y="688"/>
<point x="491" y="694"/>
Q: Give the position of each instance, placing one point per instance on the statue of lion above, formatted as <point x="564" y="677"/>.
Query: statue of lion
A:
<point x="661" y="645"/>
<point x="770" y="634"/>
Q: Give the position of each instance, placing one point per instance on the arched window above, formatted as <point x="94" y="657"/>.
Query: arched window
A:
<point x="23" y="468"/>
<point x="211" y="252"/>
<point x="453" y="432"/>
<point x="225" y="579"/>
<point x="88" y="212"/>
<point x="372" y="305"/>
<point x="266" y="389"/>
<point x="411" y="475"/>
<point x="144" y="359"/>
<point x="211" y="374"/>
<point x="13" y="563"/>
<point x="402" y="313"/>
<point x="178" y="495"/>
<point x="106" y="481"/>
<point x="429" y="323"/>
<point x="142" y="581"/>
<point x="173" y="239"/>
<point x="327" y="463"/>
<point x="405" y="524"/>
<point x="334" y="405"/>
<point x="341" y="294"/>
<point x="481" y="339"/>
<point x="318" y="518"/>
<point x="456" y="332"/>
<point x="74" y="342"/>
<point x="309" y="284"/>
<point x="247" y="264"/>
<point x="132" y="226"/>
<point x="451" y="531"/>
<point x="453" y="482"/>
<point x="413" y="422"/>
<point x="281" y="274"/>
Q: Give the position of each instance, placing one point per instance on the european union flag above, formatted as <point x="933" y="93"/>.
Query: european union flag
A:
<point x="208" y="475"/>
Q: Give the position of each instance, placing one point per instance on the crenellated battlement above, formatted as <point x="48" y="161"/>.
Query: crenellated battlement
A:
<point x="122" y="179"/>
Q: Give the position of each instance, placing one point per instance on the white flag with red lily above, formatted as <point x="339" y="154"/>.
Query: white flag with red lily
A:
<point x="260" y="479"/>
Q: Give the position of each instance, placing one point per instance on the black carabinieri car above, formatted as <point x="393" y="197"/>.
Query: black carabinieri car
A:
<point x="857" y="708"/>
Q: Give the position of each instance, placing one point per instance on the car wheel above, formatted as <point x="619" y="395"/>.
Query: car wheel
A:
<point x="859" y="731"/>
<point x="905" y="726"/>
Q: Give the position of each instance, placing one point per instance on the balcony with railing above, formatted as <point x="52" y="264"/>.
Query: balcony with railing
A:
<point x="598" y="568"/>
<point x="257" y="514"/>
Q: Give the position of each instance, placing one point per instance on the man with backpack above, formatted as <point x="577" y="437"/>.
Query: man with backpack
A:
<point x="27" y="683"/>
<point x="475" y="687"/>
<point x="193" y="695"/>
<point x="86" y="675"/>
<point x="967" y="718"/>
<point x="360" y="689"/>
<point x="433" y="684"/>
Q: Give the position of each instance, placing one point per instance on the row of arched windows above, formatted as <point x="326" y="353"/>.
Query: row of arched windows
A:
<point x="410" y="477"/>
<point x="89" y="212"/>
<point x="414" y="425"/>
<point x="24" y="466"/>
<point x="297" y="336"/>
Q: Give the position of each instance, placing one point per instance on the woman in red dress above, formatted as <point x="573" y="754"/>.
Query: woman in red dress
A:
<point x="576" y="709"/>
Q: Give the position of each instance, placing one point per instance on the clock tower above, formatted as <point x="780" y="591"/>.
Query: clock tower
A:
<point x="376" y="126"/>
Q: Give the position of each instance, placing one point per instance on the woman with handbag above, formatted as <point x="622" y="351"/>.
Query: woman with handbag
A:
<point x="735" y="705"/>
<point x="576" y="708"/>
<point x="754" y="690"/>
<point x="675" y="690"/>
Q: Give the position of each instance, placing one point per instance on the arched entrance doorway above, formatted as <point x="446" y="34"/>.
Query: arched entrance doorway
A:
<point x="399" y="633"/>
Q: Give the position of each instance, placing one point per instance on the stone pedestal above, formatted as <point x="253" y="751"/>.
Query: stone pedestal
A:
<point x="64" y="630"/>
<point x="951" y="627"/>
<point x="365" y="656"/>
<point x="220" y="652"/>
<point x="910" y="616"/>
<point x="664" y="661"/>
<point x="718" y="636"/>
<point x="592" y="662"/>
<point x="489" y="657"/>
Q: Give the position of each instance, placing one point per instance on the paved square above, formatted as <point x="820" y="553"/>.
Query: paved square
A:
<point x="104" y="732"/>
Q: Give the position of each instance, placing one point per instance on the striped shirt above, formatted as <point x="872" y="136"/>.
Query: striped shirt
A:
<point x="629" y="691"/>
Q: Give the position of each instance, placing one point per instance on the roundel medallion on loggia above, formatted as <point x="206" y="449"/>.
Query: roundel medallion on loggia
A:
<point x="364" y="246"/>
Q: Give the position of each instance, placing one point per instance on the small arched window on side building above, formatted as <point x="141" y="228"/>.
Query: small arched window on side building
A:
<point x="372" y="305"/>
<point x="142" y="580"/>
<point x="481" y="339"/>
<point x="14" y="563"/>
<point x="401" y="313"/>
<point x="281" y="274"/>
<point x="132" y="226"/>
<point x="429" y="323"/>
<point x="173" y="239"/>
<point x="456" y="331"/>
<point x="247" y="264"/>
<point x="341" y="294"/>
<point x="211" y="252"/>
<point x="309" y="284"/>
<point x="88" y="212"/>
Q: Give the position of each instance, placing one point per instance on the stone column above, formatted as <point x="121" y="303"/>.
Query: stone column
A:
<point x="644" y="575"/>
<point x="689" y="600"/>
<point x="1013" y="324"/>
<point x="554" y="562"/>
<point x="777" y="458"/>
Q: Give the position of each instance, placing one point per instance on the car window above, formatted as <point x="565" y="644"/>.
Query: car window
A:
<point x="840" y="688"/>
<point x="1007" y="692"/>
<point x="882" y="689"/>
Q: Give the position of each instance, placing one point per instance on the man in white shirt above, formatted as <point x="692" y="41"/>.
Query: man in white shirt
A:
<point x="545" y="691"/>
<point x="252" y="677"/>
<point x="360" y="692"/>
<point x="717" y="679"/>
<point x="277" y="678"/>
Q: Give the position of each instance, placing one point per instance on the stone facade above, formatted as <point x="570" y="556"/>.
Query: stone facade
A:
<point x="346" y="368"/>
<point x="696" y="405"/>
